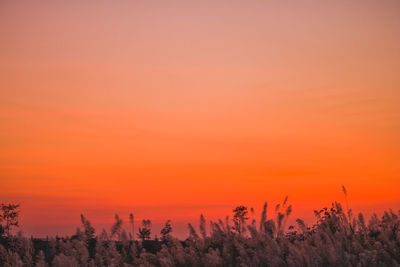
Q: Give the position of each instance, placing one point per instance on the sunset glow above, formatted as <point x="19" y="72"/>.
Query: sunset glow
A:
<point x="172" y="109"/>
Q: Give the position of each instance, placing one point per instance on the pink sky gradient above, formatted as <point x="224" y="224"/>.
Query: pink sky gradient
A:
<point x="169" y="109"/>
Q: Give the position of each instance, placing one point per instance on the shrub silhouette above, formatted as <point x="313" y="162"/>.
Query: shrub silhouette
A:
<point x="9" y="216"/>
<point x="145" y="230"/>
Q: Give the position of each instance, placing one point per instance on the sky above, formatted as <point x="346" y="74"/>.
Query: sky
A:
<point x="169" y="109"/>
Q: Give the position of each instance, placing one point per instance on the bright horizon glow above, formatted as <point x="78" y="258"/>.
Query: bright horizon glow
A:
<point x="172" y="110"/>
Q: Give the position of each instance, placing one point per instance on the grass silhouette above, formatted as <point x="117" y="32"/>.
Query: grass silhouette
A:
<point x="336" y="239"/>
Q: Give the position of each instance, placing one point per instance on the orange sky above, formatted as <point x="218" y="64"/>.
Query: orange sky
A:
<point x="174" y="109"/>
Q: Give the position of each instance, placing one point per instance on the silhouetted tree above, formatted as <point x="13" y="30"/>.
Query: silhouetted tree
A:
<point x="8" y="217"/>
<point x="145" y="230"/>
<point x="166" y="231"/>
<point x="240" y="216"/>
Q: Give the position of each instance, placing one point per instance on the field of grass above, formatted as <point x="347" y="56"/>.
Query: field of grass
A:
<point x="338" y="238"/>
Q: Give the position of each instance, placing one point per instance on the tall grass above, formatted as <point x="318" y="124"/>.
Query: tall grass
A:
<point x="336" y="239"/>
